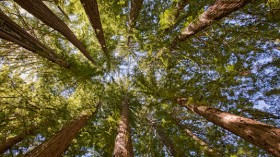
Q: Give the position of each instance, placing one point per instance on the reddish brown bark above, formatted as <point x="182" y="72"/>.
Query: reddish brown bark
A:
<point x="10" y="31"/>
<point x="217" y="11"/>
<point x="42" y="12"/>
<point x="123" y="143"/>
<point x="10" y="142"/>
<point x="91" y="8"/>
<point x="262" y="135"/>
<point x="57" y="144"/>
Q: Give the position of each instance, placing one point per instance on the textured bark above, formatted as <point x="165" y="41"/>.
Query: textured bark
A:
<point x="58" y="144"/>
<point x="208" y="151"/>
<point x="91" y="8"/>
<point x="215" y="12"/>
<point x="10" y="142"/>
<point x="167" y="141"/>
<point x="135" y="9"/>
<point x="12" y="32"/>
<point x="262" y="135"/>
<point x="123" y="143"/>
<point x="42" y="12"/>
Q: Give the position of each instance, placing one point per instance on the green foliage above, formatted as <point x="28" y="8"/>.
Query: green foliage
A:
<point x="231" y="65"/>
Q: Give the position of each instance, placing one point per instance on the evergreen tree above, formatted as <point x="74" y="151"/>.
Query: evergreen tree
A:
<point x="200" y="78"/>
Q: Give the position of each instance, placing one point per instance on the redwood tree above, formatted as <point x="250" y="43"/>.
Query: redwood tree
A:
<point x="10" y="142"/>
<point x="42" y="12"/>
<point x="123" y="142"/>
<point x="265" y="136"/>
<point x="219" y="52"/>
<point x="12" y="32"/>
<point x="58" y="144"/>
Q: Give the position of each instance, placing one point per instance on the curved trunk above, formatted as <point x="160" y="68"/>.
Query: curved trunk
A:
<point x="91" y="8"/>
<point x="218" y="10"/>
<point x="42" y="12"/>
<point x="123" y="143"/>
<point x="10" y="142"/>
<point x="262" y="135"/>
<point x="58" y="144"/>
<point x="12" y="32"/>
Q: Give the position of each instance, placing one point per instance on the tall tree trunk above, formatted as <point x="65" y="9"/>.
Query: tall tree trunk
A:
<point x="10" y="142"/>
<point x="262" y="135"/>
<point x="91" y="8"/>
<point x="167" y="141"/>
<point x="135" y="9"/>
<point x="123" y="143"/>
<point x="217" y="11"/>
<point x="42" y="12"/>
<point x="58" y="144"/>
<point x="208" y="151"/>
<point x="12" y="32"/>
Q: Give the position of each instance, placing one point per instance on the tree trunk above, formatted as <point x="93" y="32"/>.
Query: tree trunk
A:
<point x="42" y="12"/>
<point x="91" y="8"/>
<point x="58" y="144"/>
<point x="123" y="143"/>
<point x="167" y="141"/>
<point x="177" y="8"/>
<point x="180" y="7"/>
<point x="12" y="32"/>
<point x="135" y="9"/>
<point x="208" y="151"/>
<point x="262" y="135"/>
<point x="217" y="11"/>
<point x="10" y="142"/>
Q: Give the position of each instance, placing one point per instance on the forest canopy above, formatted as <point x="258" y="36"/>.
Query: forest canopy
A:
<point x="128" y="78"/>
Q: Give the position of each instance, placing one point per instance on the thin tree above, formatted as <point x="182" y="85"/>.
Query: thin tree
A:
<point x="208" y="151"/>
<point x="262" y="135"/>
<point x="123" y="143"/>
<point x="91" y="8"/>
<point x="135" y="9"/>
<point x="12" y="32"/>
<point x="42" y="12"/>
<point x="166" y="140"/>
<point x="215" y="12"/>
<point x="177" y="7"/>
<point x="10" y="142"/>
<point x="58" y="144"/>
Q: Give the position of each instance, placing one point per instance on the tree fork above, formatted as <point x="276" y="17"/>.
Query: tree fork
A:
<point x="262" y="135"/>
